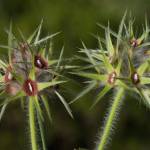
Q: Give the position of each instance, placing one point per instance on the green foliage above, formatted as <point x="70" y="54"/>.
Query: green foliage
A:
<point x="31" y="74"/>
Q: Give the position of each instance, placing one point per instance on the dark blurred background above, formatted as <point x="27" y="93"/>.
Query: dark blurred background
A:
<point x="76" y="20"/>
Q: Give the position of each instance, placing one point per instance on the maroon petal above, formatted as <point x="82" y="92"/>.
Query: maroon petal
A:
<point x="134" y="43"/>
<point x="135" y="78"/>
<point x="112" y="78"/>
<point x="30" y="87"/>
<point x="40" y="62"/>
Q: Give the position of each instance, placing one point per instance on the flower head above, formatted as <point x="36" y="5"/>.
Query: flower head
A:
<point x="40" y="62"/>
<point x="135" y="78"/>
<point x="27" y="76"/>
<point x="30" y="87"/>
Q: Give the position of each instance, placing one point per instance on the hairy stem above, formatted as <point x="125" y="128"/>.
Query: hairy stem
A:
<point x="32" y="125"/>
<point x="110" y="120"/>
<point x="41" y="132"/>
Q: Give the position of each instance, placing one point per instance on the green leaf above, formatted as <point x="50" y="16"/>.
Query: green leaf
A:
<point x="39" y="32"/>
<point x="132" y="69"/>
<point x="85" y="91"/>
<point x="3" y="65"/>
<point x="141" y="38"/>
<point x="105" y="28"/>
<point x="109" y="44"/>
<point x="120" y="31"/>
<point x="90" y="57"/>
<point x="6" y="47"/>
<point x="46" y="38"/>
<point x="131" y="33"/>
<point x="98" y="56"/>
<point x="3" y="110"/>
<point x="68" y="67"/>
<point x="126" y="30"/>
<point x="42" y="52"/>
<point x="147" y="30"/>
<point x="144" y="80"/>
<point x="145" y="33"/>
<point x="10" y="39"/>
<point x="49" y="49"/>
<point x="60" y="58"/>
<point x="93" y="76"/>
<point x="22" y="35"/>
<point x="13" y="98"/>
<point x="1" y="79"/>
<point x="64" y="103"/>
<point x="142" y="68"/>
<point x="101" y="94"/>
<point x="30" y="39"/>
<point x="145" y="44"/>
<point x="51" y="62"/>
<point x="43" y="85"/>
<point x="99" y="43"/>
<point x="47" y="107"/>
<point x="118" y="69"/>
<point x="17" y="77"/>
<point x="107" y="64"/>
<point x="32" y="73"/>
<point x="82" y="58"/>
<point x="122" y="84"/>
<point x="80" y="68"/>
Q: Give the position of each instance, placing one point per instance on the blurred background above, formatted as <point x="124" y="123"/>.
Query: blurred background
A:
<point x="76" y="20"/>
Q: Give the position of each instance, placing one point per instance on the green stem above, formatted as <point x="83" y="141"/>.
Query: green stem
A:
<point x="32" y="125"/>
<point x="41" y="132"/>
<point x="110" y="120"/>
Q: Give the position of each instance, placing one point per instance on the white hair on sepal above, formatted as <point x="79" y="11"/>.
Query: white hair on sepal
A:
<point x="112" y="124"/>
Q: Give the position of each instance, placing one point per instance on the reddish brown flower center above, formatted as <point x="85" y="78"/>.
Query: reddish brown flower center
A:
<point x="112" y="78"/>
<point x="30" y="87"/>
<point x="8" y="75"/>
<point x="134" y="43"/>
<point x="135" y="78"/>
<point x="40" y="62"/>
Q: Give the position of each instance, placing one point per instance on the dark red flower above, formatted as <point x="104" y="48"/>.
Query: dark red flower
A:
<point x="8" y="74"/>
<point x="40" y="62"/>
<point x="134" y="43"/>
<point x="30" y="87"/>
<point x="112" y="78"/>
<point x="135" y="78"/>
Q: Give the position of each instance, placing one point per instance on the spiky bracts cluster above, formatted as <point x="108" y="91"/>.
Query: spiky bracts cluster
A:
<point x="31" y="74"/>
<point x="121" y="63"/>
